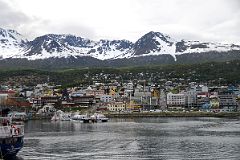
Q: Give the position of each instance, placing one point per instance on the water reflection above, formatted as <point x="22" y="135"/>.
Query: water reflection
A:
<point x="141" y="138"/>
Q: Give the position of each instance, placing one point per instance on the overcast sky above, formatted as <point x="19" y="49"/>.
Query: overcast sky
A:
<point x="206" y="20"/>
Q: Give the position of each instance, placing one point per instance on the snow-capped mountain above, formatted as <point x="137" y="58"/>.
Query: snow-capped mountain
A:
<point x="58" y="46"/>
<point x="14" y="45"/>
<point x="156" y="43"/>
<point x="11" y="43"/>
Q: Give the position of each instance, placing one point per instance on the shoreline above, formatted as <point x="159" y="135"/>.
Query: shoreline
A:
<point x="158" y="114"/>
<point x="173" y="114"/>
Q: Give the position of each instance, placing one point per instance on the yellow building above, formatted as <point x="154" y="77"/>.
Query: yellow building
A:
<point x="155" y="93"/>
<point x="133" y="106"/>
<point x="214" y="103"/>
<point x="113" y="91"/>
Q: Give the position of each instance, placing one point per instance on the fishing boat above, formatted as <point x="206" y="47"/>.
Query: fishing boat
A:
<point x="11" y="138"/>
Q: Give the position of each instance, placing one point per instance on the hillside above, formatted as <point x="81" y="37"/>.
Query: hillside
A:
<point x="210" y="72"/>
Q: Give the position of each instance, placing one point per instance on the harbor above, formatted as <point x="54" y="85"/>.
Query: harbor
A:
<point x="84" y="135"/>
<point x="133" y="138"/>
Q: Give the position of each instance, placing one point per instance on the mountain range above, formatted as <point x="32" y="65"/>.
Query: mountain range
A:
<point x="66" y="50"/>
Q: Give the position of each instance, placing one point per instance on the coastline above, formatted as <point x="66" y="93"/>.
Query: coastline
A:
<point x="173" y="114"/>
<point x="158" y="114"/>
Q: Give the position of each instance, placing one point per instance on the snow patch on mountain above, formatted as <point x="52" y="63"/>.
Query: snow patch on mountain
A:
<point x="11" y="43"/>
<point x="203" y="47"/>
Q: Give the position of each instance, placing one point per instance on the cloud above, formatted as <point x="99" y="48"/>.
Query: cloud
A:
<point x="206" y="20"/>
<point x="11" y="18"/>
<point x="73" y="28"/>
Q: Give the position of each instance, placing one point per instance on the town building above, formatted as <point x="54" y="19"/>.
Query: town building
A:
<point x="227" y="100"/>
<point x="106" y="98"/>
<point x="116" y="106"/>
<point x="84" y="100"/>
<point x="175" y="100"/>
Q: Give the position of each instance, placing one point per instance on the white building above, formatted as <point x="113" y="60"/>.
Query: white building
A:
<point x="175" y="100"/>
<point x="191" y="98"/>
<point x="200" y="88"/>
<point x="116" y="106"/>
<point x="106" y="98"/>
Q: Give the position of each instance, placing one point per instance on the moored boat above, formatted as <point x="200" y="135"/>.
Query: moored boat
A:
<point x="18" y="116"/>
<point x="60" y="116"/>
<point x="81" y="118"/>
<point x="11" y="138"/>
<point x="97" y="117"/>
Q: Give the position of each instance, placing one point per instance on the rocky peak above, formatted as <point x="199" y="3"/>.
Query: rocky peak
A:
<point x="152" y="42"/>
<point x="11" y="35"/>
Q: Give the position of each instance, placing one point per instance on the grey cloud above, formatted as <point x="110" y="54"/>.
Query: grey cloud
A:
<point x="11" y="18"/>
<point x="234" y="4"/>
<point x="206" y="20"/>
<point x="31" y="27"/>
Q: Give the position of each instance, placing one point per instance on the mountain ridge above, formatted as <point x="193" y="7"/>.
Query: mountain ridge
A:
<point x="15" y="46"/>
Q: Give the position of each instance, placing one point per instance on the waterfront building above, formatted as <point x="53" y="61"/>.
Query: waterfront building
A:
<point x="116" y="106"/>
<point x="227" y="100"/>
<point x="191" y="98"/>
<point x="163" y="100"/>
<point x="202" y="98"/>
<point x="175" y="100"/>
<point x="214" y="102"/>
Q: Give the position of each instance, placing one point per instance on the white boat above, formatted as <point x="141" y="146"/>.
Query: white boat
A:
<point x="60" y="116"/>
<point x="18" y="116"/>
<point x="97" y="117"/>
<point x="82" y="117"/>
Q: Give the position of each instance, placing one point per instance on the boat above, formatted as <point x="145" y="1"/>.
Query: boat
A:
<point x="82" y="118"/>
<point x="11" y="138"/>
<point x="18" y="116"/>
<point x="60" y="116"/>
<point x="97" y="117"/>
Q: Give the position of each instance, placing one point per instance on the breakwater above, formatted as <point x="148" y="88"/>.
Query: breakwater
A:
<point x="173" y="114"/>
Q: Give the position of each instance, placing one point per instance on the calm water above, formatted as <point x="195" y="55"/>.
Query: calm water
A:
<point x="134" y="139"/>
